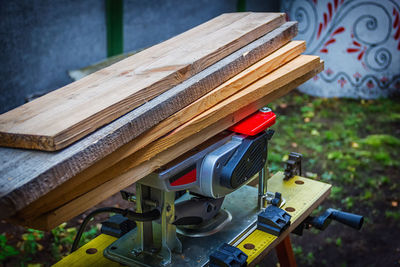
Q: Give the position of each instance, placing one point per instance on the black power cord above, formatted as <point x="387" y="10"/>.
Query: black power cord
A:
<point x="134" y="216"/>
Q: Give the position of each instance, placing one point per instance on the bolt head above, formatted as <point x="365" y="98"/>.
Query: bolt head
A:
<point x="265" y="109"/>
<point x="165" y="262"/>
<point x="136" y="251"/>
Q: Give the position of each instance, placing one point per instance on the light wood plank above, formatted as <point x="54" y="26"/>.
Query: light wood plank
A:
<point x="66" y="115"/>
<point x="28" y="175"/>
<point x="268" y="88"/>
<point x="288" y="72"/>
<point x="72" y="188"/>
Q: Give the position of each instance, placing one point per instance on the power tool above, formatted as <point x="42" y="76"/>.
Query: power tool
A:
<point x="198" y="208"/>
<point x="201" y="197"/>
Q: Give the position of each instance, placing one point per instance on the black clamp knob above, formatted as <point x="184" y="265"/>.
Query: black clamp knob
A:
<point x="293" y="165"/>
<point x="228" y="256"/>
<point x="117" y="226"/>
<point x="274" y="220"/>
<point x="277" y="200"/>
<point x="322" y="222"/>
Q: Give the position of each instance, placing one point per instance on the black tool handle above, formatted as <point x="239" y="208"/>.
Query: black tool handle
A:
<point x="353" y="220"/>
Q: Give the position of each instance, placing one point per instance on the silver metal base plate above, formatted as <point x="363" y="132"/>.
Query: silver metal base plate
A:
<point x="208" y="228"/>
<point x="241" y="204"/>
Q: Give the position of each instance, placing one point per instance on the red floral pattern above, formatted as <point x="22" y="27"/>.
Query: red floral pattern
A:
<point x="357" y="48"/>
<point x="331" y="40"/>
<point x="396" y="26"/>
<point x="342" y="81"/>
<point x="327" y="17"/>
<point x="359" y="41"/>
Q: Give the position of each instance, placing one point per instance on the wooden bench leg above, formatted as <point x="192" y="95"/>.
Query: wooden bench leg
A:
<point x="285" y="253"/>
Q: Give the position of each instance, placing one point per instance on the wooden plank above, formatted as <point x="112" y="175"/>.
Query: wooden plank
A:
<point x="72" y="188"/>
<point x="66" y="115"/>
<point x="112" y="180"/>
<point x="35" y="173"/>
<point x="290" y="71"/>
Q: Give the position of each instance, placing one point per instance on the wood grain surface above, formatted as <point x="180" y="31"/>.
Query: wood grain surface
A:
<point x="125" y="173"/>
<point x="73" y="187"/>
<point x="63" y="116"/>
<point x="26" y="175"/>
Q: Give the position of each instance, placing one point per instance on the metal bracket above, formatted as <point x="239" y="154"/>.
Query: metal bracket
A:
<point x="293" y="165"/>
<point x="150" y="244"/>
<point x="117" y="226"/>
<point x="273" y="219"/>
<point x="227" y="255"/>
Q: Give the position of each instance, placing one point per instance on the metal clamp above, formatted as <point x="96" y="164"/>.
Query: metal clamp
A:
<point x="274" y="220"/>
<point x="263" y="175"/>
<point x="227" y="255"/>
<point x="117" y="226"/>
<point x="293" y="165"/>
<point x="130" y="197"/>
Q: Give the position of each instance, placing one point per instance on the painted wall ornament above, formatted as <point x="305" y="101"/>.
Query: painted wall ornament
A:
<point x="359" y="42"/>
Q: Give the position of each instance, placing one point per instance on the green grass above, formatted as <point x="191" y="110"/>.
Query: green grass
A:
<point x="353" y="145"/>
<point x="62" y="238"/>
<point x="344" y="142"/>
<point x="6" y="250"/>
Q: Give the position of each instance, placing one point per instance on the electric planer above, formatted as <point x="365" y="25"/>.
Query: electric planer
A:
<point x="196" y="210"/>
<point x="190" y="194"/>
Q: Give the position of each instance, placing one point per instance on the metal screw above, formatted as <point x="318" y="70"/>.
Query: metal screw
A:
<point x="265" y="109"/>
<point x="136" y="251"/>
<point x="165" y="262"/>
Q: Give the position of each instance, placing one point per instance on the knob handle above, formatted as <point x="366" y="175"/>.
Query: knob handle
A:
<point x="350" y="219"/>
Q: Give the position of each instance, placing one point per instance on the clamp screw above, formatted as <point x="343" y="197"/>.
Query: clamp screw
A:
<point x="265" y="109"/>
<point x="165" y="262"/>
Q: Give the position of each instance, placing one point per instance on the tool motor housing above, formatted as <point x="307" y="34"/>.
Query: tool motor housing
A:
<point x="217" y="170"/>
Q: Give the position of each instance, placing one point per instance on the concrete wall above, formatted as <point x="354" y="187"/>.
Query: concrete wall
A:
<point x="41" y="40"/>
<point x="149" y="22"/>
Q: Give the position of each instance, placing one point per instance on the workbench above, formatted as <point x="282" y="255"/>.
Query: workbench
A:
<point x="302" y="196"/>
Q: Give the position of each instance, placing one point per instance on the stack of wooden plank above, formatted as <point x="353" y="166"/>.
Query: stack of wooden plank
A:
<point x="82" y="143"/>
